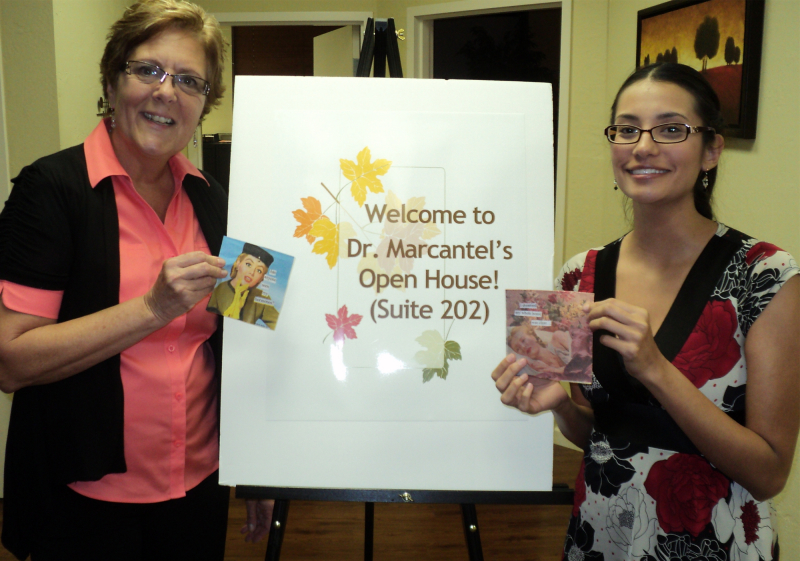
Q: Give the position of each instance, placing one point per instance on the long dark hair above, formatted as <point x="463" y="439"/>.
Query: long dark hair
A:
<point x="707" y="107"/>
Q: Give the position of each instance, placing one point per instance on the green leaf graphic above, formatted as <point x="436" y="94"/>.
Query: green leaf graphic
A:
<point x="443" y="371"/>
<point x="427" y="374"/>
<point x="438" y="352"/>
<point x="452" y="350"/>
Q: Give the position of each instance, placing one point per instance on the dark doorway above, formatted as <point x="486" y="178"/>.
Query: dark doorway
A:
<point x="275" y="50"/>
<point x="262" y="50"/>
<point x="519" y="46"/>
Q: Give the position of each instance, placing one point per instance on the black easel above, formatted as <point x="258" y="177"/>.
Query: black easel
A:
<point x="380" y="46"/>
<point x="560" y="495"/>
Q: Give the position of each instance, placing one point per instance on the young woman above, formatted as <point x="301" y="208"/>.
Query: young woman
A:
<point x="690" y="423"/>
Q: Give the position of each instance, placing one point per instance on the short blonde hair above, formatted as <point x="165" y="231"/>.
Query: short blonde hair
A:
<point x="235" y="266"/>
<point x="146" y="19"/>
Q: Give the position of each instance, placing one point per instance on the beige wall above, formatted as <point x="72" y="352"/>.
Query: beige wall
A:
<point x="593" y="209"/>
<point x="31" y="109"/>
<point x="221" y="117"/>
<point x="51" y="53"/>
<point x="79" y="31"/>
<point x="5" y="184"/>
<point x="29" y="70"/>
<point x="288" y="5"/>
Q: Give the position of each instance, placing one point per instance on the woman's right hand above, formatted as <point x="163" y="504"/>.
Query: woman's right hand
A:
<point x="36" y="350"/>
<point x="183" y="281"/>
<point x="518" y="392"/>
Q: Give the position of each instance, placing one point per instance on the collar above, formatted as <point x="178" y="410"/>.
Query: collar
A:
<point x="102" y="162"/>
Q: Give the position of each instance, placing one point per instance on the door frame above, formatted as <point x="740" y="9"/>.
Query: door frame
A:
<point x="358" y="20"/>
<point x="294" y="18"/>
<point x="419" y="60"/>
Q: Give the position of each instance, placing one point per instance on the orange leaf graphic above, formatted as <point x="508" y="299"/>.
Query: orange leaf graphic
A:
<point x="307" y="217"/>
<point x="364" y="174"/>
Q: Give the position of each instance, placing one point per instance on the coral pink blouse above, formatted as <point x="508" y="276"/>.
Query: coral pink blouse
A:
<point x="171" y="414"/>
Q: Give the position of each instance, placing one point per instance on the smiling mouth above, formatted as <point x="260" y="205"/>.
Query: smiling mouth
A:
<point x="157" y="119"/>
<point x="646" y="171"/>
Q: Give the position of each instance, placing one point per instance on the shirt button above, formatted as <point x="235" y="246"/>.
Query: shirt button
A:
<point x="171" y="348"/>
<point x="179" y="396"/>
<point x="177" y="443"/>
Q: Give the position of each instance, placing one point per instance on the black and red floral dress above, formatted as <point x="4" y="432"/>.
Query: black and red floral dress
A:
<point x="644" y="492"/>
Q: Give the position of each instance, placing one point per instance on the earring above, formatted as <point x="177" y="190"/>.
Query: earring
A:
<point x="616" y="187"/>
<point x="113" y="122"/>
<point x="705" y="180"/>
<point x="194" y="138"/>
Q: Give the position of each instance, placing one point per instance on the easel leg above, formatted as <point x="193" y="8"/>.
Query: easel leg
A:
<point x="471" y="533"/>
<point x="279" y="515"/>
<point x="379" y="60"/>
<point x="369" y="529"/>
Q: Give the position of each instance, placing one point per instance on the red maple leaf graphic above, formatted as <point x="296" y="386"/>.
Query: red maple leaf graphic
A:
<point x="343" y="325"/>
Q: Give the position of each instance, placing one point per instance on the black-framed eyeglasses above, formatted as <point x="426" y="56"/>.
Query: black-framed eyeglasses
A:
<point x="668" y="133"/>
<point x="149" y="73"/>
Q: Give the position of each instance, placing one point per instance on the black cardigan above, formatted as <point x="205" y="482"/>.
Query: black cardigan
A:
<point x="58" y="233"/>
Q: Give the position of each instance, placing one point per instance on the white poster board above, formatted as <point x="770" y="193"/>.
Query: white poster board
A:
<point x="377" y="376"/>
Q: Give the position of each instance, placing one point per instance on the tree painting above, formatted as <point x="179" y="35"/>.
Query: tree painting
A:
<point x="709" y="36"/>
<point x="732" y="52"/>
<point x="666" y="56"/>
<point x="706" y="40"/>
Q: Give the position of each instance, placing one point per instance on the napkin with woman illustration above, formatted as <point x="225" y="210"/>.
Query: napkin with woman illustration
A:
<point x="254" y="289"/>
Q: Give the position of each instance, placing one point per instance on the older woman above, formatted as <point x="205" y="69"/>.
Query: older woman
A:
<point x="106" y="264"/>
<point x="690" y="424"/>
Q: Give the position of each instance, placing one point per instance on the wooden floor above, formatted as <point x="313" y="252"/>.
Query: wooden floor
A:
<point x="335" y="531"/>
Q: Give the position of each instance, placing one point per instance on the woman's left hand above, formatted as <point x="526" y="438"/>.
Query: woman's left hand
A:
<point x="259" y="518"/>
<point x="630" y="335"/>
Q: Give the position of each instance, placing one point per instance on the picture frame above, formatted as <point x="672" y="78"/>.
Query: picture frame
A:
<point x="720" y="38"/>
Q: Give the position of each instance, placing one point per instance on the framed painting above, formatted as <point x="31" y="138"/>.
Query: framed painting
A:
<point x="721" y="39"/>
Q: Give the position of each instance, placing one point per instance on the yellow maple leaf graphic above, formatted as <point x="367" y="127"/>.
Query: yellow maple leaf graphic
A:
<point x="407" y="233"/>
<point x="328" y="243"/>
<point x="346" y="231"/>
<point x="332" y="239"/>
<point x="307" y="217"/>
<point x="364" y="174"/>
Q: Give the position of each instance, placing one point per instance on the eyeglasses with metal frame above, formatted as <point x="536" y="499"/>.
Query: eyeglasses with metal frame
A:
<point x="668" y="133"/>
<point x="149" y="73"/>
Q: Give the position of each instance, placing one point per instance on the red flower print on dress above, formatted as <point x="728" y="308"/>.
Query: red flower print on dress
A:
<point x="587" y="276"/>
<point x="750" y="521"/>
<point x="686" y="489"/>
<point x="711" y="351"/>
<point x="761" y="251"/>
<point x="570" y="280"/>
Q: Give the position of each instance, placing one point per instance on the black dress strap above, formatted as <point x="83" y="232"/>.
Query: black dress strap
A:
<point x="607" y="363"/>
<point x="632" y="413"/>
<point x="694" y="294"/>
